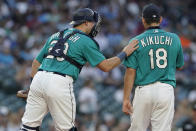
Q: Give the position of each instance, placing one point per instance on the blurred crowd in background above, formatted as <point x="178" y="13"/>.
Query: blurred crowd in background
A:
<point x="25" y="25"/>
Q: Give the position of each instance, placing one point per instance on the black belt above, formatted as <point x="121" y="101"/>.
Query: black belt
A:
<point x="30" y="128"/>
<point x="64" y="75"/>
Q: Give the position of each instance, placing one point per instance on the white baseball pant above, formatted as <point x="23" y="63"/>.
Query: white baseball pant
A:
<point x="153" y="104"/>
<point x="50" y="93"/>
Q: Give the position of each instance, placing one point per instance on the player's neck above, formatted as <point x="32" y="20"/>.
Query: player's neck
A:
<point x="152" y="25"/>
<point x="80" y="28"/>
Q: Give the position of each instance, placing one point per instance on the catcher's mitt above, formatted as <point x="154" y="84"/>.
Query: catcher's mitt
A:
<point x="22" y="94"/>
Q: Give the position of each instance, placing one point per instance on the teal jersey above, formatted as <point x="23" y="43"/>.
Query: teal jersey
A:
<point x="156" y="59"/>
<point x="79" y="47"/>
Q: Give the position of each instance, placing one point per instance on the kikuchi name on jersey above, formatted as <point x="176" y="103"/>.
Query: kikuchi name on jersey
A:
<point x="150" y="40"/>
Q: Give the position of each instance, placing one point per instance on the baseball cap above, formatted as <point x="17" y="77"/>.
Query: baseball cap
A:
<point x="151" y="11"/>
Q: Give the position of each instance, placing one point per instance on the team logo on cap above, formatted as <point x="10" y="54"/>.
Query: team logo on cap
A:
<point x="154" y="16"/>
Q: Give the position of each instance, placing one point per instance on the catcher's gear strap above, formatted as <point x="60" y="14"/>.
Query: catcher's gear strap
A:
<point x="60" y="47"/>
<point x="26" y="128"/>
<point x="73" y="129"/>
<point x="79" y="32"/>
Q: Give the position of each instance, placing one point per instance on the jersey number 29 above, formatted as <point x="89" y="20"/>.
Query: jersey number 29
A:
<point x="158" y="58"/>
<point x="64" y="51"/>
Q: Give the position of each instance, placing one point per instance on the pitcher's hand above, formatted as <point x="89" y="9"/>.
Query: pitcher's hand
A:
<point x="127" y="107"/>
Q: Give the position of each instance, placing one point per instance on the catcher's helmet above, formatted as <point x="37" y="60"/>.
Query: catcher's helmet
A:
<point x="87" y="14"/>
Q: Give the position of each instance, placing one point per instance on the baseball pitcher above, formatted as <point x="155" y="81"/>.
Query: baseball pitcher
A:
<point x="151" y="68"/>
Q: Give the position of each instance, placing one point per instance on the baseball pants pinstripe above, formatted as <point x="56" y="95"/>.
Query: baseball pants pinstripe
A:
<point x="50" y="93"/>
<point x="153" y="104"/>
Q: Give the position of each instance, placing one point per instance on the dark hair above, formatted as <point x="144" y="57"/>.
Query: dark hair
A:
<point x="152" y="20"/>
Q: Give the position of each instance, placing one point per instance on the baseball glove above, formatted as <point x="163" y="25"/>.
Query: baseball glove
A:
<point x="22" y="94"/>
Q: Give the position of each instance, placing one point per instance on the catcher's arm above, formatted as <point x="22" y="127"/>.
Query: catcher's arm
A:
<point x="108" y="64"/>
<point x="35" y="66"/>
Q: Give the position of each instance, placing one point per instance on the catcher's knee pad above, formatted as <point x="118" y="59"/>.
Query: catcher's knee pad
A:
<point x="73" y="129"/>
<point x="28" y="128"/>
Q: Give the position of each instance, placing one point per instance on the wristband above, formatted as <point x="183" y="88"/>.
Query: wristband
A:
<point x="122" y="56"/>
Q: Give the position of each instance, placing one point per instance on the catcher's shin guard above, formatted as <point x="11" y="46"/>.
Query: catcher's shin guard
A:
<point x="28" y="128"/>
<point x="73" y="129"/>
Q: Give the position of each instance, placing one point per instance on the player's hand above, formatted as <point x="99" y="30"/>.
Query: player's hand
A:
<point x="22" y="94"/>
<point x="131" y="47"/>
<point x="127" y="107"/>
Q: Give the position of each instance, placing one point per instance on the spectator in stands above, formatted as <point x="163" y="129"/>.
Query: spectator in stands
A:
<point x="13" y="122"/>
<point x="190" y="124"/>
<point x="4" y="118"/>
<point x="88" y="105"/>
<point x="123" y="125"/>
<point x="88" y="98"/>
